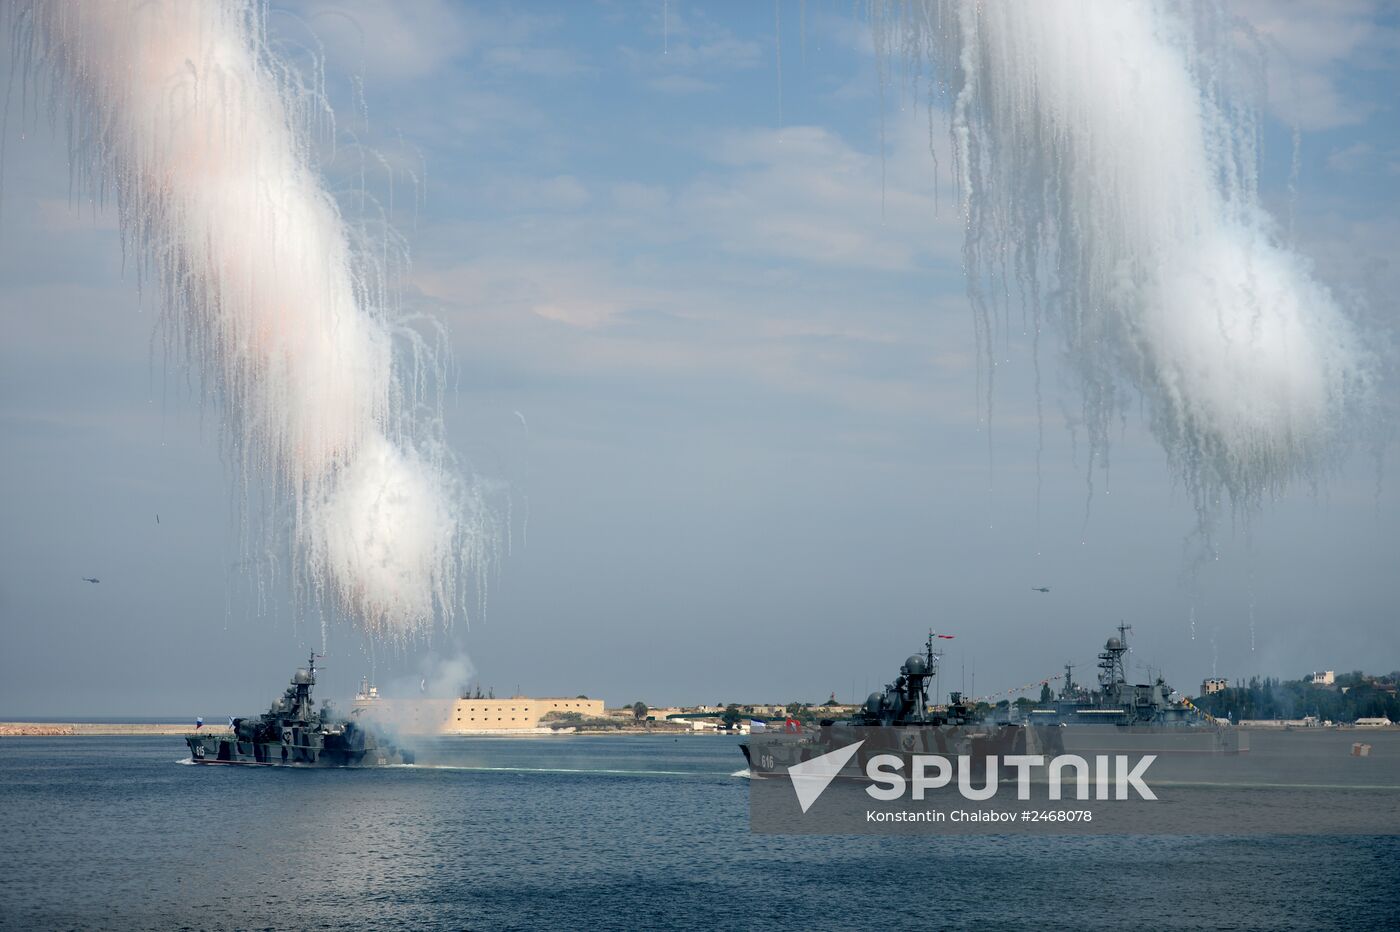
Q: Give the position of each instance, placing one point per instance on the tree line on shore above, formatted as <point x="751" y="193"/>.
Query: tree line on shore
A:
<point x="1353" y="695"/>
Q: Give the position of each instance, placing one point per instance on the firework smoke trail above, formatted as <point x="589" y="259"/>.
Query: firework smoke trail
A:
<point x="1107" y="160"/>
<point x="180" y="110"/>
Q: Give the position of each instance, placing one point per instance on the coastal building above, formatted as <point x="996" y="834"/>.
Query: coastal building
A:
<point x="1325" y="678"/>
<point x="1214" y="685"/>
<point x="1373" y="722"/>
<point x="1307" y="721"/>
<point x="475" y="715"/>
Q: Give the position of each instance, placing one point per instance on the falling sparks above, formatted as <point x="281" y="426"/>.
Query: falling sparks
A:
<point x="203" y="135"/>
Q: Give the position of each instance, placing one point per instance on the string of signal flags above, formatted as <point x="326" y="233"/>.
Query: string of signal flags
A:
<point x="1018" y="689"/>
<point x="1005" y="692"/>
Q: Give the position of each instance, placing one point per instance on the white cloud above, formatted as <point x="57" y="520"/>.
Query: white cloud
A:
<point x="537" y="62"/>
<point x="392" y="41"/>
<point x="514" y="193"/>
<point x="577" y="293"/>
<point x="692" y="53"/>
<point x="407" y="41"/>
<point x="770" y="267"/>
<point x="1354" y="157"/>
<point x="806" y="194"/>
<point x="633" y="197"/>
<point x="1309" y="43"/>
<point x="681" y="84"/>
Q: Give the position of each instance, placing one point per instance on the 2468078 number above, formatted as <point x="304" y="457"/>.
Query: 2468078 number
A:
<point x="1057" y="815"/>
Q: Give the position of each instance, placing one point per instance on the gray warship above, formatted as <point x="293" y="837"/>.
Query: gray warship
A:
<point x="1116" y="701"/>
<point x="1117" y="718"/>
<point x="898" y="720"/>
<point x="1120" y="716"/>
<point x="293" y="733"/>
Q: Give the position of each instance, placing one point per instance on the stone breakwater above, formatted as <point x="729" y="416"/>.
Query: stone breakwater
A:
<point x="96" y="729"/>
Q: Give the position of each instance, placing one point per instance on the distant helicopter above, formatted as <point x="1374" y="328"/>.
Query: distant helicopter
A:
<point x="91" y="579"/>
<point x="1040" y="588"/>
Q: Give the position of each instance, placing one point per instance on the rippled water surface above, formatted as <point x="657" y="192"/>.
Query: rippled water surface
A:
<point x="583" y="832"/>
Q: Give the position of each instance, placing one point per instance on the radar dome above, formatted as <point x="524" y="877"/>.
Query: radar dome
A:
<point x="916" y="666"/>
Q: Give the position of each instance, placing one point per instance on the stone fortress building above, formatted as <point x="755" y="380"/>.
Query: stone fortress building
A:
<point x="471" y="715"/>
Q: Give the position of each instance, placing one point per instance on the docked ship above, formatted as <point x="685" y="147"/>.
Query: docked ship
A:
<point x="294" y="733"/>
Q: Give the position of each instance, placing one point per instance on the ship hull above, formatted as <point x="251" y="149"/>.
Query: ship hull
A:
<point x="217" y="749"/>
<point x="1179" y="753"/>
<point x="770" y="755"/>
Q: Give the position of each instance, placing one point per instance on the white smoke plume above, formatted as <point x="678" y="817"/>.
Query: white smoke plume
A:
<point x="180" y="111"/>
<point x="1107" y="158"/>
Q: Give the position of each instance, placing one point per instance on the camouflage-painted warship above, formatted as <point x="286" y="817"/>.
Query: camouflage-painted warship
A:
<point x="293" y="733"/>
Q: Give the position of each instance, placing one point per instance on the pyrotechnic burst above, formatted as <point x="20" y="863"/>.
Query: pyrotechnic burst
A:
<point x="1106" y="156"/>
<point x="202" y="135"/>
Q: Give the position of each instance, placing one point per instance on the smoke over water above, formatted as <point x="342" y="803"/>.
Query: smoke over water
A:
<point x="204" y="137"/>
<point x="1106" y="156"/>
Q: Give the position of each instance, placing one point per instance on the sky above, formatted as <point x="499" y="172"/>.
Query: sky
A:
<point x="702" y="279"/>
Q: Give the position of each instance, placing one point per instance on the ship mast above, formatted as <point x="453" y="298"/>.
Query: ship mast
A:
<point x="1067" y="692"/>
<point x="1112" y="673"/>
<point x="931" y="657"/>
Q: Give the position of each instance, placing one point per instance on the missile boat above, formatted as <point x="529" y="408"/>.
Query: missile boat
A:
<point x="294" y="733"/>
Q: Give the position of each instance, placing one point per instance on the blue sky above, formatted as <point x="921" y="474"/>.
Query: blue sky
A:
<point x="735" y="325"/>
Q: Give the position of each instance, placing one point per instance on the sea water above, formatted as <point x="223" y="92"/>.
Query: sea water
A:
<point x="623" y="832"/>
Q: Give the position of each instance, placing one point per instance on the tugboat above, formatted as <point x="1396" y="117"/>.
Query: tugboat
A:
<point x="293" y="734"/>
